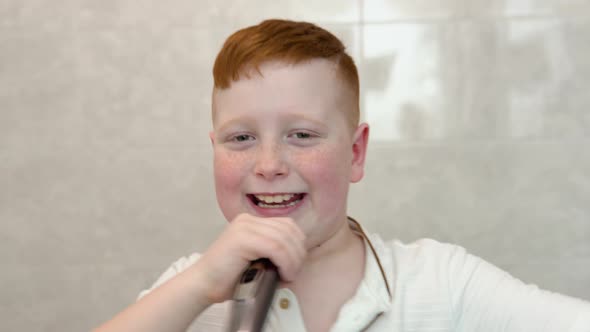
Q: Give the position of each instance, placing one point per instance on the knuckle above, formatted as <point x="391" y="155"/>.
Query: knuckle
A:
<point x="277" y="246"/>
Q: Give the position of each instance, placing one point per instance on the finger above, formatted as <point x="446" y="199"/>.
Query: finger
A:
<point x="292" y="225"/>
<point x="265" y="239"/>
<point x="292" y="234"/>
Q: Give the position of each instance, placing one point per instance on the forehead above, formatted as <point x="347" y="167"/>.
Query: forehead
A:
<point x="314" y="85"/>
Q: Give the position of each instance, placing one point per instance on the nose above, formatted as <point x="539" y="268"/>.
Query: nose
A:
<point x="270" y="162"/>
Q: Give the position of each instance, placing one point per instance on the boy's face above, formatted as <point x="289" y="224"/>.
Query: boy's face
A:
<point x="283" y="146"/>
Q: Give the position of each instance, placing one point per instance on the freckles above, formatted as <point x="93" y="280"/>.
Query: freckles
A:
<point x="228" y="173"/>
<point x="325" y="170"/>
<point x="310" y="161"/>
<point x="230" y="160"/>
<point x="228" y="167"/>
<point x="324" y="162"/>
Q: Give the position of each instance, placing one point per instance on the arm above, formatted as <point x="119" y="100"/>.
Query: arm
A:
<point x="170" y="307"/>
<point x="177" y="302"/>
<point x="485" y="298"/>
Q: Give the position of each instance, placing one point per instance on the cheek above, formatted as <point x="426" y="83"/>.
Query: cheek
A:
<point x="228" y="171"/>
<point x="228" y="167"/>
<point x="328" y="171"/>
<point x="223" y="171"/>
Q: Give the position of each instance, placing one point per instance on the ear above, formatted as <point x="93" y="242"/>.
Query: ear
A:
<point x="212" y="137"/>
<point x="359" y="151"/>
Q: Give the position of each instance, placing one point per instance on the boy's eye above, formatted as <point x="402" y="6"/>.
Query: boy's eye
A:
<point x="302" y="135"/>
<point x="242" y="138"/>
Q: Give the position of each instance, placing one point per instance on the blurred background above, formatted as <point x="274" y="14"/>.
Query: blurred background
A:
<point x="480" y="117"/>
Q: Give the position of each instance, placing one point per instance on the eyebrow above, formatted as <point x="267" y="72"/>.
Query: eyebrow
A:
<point x="251" y="119"/>
<point x="235" y="121"/>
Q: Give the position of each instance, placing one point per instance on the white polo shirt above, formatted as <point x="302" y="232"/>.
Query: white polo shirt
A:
<point x="422" y="286"/>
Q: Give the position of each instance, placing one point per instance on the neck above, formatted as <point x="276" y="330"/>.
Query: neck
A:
<point x="339" y="249"/>
<point x="335" y="270"/>
<point x="336" y="244"/>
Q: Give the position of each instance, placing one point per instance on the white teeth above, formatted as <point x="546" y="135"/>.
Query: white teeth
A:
<point x="277" y="206"/>
<point x="269" y="199"/>
<point x="274" y="201"/>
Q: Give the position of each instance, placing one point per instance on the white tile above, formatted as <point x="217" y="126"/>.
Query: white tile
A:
<point x="405" y="80"/>
<point x="524" y="8"/>
<point x="524" y="79"/>
<point x="146" y="87"/>
<point x="386" y="10"/>
<point x="71" y="14"/>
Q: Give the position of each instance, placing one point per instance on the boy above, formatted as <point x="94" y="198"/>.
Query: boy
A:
<point x="287" y="143"/>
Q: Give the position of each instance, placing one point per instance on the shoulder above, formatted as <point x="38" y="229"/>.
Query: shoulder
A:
<point x="424" y="265"/>
<point x="469" y="292"/>
<point x="424" y="248"/>
<point x="423" y="254"/>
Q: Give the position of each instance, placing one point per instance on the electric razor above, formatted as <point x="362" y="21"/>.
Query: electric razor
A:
<point x="253" y="297"/>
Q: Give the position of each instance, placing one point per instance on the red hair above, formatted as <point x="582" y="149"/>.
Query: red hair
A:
<point x="286" y="41"/>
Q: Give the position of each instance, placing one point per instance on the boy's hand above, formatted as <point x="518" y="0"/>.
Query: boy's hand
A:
<point x="245" y="239"/>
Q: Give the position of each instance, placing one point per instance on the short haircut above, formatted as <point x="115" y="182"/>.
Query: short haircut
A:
<point x="285" y="41"/>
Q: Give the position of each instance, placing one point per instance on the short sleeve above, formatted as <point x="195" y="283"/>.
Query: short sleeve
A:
<point x="210" y="320"/>
<point x="174" y="269"/>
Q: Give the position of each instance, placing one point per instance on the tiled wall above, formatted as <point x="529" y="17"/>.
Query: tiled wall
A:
<point x="480" y="117"/>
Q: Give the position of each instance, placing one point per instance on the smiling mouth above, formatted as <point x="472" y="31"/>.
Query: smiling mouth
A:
<point x="275" y="201"/>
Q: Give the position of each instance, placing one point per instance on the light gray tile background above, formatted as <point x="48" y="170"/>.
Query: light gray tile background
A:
<point x="481" y="136"/>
